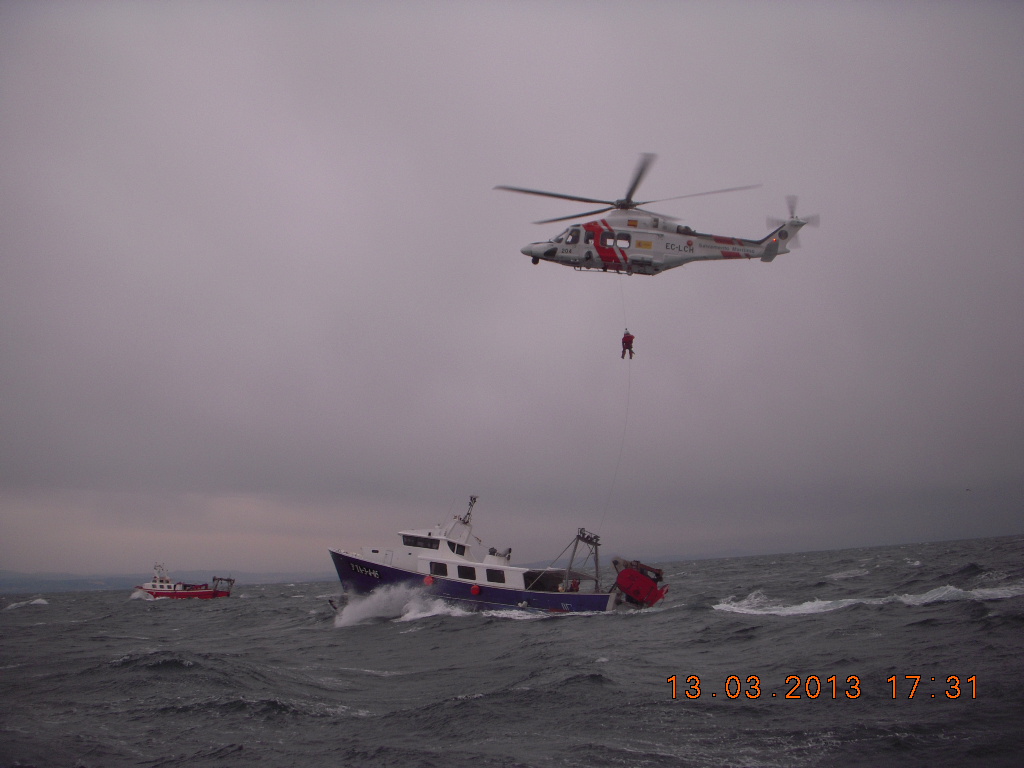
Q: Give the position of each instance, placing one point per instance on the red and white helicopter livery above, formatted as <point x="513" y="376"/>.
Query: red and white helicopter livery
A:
<point x="640" y="242"/>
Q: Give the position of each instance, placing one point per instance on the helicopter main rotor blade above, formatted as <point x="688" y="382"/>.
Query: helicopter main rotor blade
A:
<point x="701" y="194"/>
<point x="577" y="215"/>
<point x="555" y="194"/>
<point x="641" y="170"/>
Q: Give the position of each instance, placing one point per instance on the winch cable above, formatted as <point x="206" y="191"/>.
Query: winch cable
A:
<point x="622" y="293"/>
<point x="625" y="417"/>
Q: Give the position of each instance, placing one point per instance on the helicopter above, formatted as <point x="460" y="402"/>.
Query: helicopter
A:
<point x="635" y="241"/>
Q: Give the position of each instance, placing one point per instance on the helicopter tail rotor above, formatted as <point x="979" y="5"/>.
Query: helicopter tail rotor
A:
<point x="795" y="222"/>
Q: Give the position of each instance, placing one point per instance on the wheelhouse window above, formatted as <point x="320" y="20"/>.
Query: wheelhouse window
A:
<point x="543" y="581"/>
<point x="423" y="542"/>
<point x="458" y="549"/>
<point x="438" y="569"/>
<point x="467" y="572"/>
<point x="493" y="574"/>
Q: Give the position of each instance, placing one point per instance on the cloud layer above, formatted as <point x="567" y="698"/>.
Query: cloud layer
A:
<point x="258" y="298"/>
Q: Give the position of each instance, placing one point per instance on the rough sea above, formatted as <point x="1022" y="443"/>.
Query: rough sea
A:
<point x="886" y="656"/>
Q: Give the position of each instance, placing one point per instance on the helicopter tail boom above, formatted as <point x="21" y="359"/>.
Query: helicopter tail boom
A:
<point x="771" y="250"/>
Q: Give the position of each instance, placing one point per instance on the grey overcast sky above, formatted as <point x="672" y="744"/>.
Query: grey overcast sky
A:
<point x="258" y="296"/>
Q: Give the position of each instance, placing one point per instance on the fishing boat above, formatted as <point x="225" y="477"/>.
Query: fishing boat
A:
<point x="449" y="562"/>
<point x="162" y="586"/>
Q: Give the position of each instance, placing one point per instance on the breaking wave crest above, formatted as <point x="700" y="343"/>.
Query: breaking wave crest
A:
<point x="37" y="601"/>
<point x="757" y="603"/>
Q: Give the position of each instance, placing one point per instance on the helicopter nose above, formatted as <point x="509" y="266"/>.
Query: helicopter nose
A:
<point x="539" y="250"/>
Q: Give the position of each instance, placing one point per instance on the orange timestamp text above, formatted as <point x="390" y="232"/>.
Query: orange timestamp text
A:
<point x="813" y="687"/>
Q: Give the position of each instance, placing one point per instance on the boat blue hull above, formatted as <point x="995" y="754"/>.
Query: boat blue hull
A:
<point x="363" y="576"/>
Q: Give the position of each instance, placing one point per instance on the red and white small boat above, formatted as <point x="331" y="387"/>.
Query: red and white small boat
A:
<point x="162" y="586"/>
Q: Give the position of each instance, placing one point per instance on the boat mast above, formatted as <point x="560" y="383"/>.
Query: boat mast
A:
<point x="469" y="512"/>
<point x="592" y="542"/>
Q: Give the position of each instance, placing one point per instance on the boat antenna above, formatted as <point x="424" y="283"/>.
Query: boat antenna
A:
<point x="469" y="512"/>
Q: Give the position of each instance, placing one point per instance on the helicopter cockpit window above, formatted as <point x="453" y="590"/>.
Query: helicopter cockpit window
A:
<point x="561" y="237"/>
<point x="573" y="238"/>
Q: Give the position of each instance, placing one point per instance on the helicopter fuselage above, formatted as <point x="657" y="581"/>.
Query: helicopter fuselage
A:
<point x="639" y="244"/>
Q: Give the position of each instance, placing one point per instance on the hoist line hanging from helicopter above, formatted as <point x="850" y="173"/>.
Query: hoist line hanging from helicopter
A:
<point x="622" y="293"/>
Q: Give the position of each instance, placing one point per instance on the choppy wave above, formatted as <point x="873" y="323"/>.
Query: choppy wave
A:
<point x="401" y="678"/>
<point x="851" y="574"/>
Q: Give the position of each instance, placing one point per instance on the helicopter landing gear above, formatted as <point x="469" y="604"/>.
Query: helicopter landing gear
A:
<point x="535" y="260"/>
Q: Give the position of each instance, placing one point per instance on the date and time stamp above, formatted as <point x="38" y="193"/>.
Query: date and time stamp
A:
<point x="818" y="687"/>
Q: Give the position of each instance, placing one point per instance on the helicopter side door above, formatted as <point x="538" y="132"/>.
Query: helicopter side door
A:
<point x="608" y="245"/>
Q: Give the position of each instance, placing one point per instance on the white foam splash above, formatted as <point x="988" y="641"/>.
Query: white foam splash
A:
<point x="758" y="604"/>
<point x="408" y="603"/>
<point x="383" y="603"/>
<point x="517" y="614"/>
<point x="398" y="602"/>
<point x="422" y="607"/>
